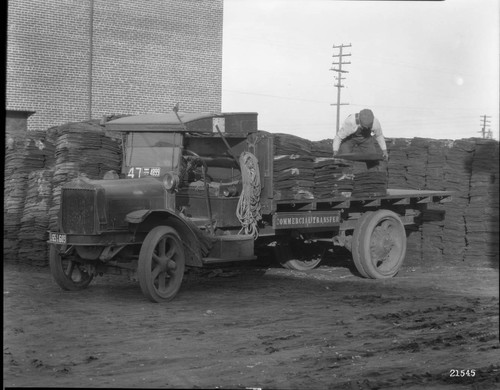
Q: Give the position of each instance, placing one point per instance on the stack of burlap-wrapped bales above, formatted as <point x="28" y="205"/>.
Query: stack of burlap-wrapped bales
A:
<point x="465" y="229"/>
<point x="332" y="177"/>
<point x="27" y="158"/>
<point x="398" y="162"/>
<point x="432" y="229"/>
<point x="369" y="183"/>
<point x="81" y="148"/>
<point x="457" y="178"/>
<point x="323" y="148"/>
<point x="482" y="212"/>
<point x="33" y="235"/>
<point x="436" y="161"/>
<point x="293" y="167"/>
<point x="413" y="164"/>
<point x="306" y="169"/>
<point x="416" y="168"/>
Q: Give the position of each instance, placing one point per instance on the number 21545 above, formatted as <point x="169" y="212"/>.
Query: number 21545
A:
<point x="462" y="373"/>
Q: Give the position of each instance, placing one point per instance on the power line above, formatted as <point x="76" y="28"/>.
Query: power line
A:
<point x="274" y="96"/>
<point x="450" y="109"/>
<point x="357" y="104"/>
<point x="373" y="58"/>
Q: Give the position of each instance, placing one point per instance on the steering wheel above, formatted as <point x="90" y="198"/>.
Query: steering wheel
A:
<point x="194" y="161"/>
<point x="190" y="152"/>
<point x="195" y="158"/>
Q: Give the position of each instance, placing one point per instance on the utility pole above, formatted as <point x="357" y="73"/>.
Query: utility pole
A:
<point x="339" y="77"/>
<point x="485" y="122"/>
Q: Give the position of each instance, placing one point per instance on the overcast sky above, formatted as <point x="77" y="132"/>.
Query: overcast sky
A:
<point x="426" y="68"/>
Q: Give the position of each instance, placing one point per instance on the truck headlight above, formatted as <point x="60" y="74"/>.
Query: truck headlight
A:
<point x="171" y="181"/>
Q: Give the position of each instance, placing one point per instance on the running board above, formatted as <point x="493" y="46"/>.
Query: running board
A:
<point x="215" y="260"/>
<point x="231" y="247"/>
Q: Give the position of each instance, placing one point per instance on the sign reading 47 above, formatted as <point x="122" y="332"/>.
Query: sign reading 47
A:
<point x="142" y="172"/>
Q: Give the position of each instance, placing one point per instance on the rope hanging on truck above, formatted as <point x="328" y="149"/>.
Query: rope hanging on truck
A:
<point x="248" y="209"/>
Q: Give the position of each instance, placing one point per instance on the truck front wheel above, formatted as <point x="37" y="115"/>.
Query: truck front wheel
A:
<point x="161" y="264"/>
<point x="69" y="273"/>
<point x="379" y="244"/>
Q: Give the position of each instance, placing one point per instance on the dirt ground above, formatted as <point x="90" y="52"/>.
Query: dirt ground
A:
<point x="257" y="327"/>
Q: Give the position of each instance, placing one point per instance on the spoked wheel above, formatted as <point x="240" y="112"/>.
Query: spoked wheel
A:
<point x="69" y="273"/>
<point x="298" y="255"/>
<point x="161" y="264"/>
<point x="379" y="244"/>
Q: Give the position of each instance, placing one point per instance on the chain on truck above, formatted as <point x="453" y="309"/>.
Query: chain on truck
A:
<point x="196" y="190"/>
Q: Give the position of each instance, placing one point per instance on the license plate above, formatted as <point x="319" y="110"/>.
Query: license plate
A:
<point x="138" y="172"/>
<point x="57" y="238"/>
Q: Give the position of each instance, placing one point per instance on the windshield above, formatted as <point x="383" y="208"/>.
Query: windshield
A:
<point x="153" y="150"/>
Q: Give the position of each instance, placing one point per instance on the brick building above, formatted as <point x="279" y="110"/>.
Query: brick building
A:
<point x="73" y="60"/>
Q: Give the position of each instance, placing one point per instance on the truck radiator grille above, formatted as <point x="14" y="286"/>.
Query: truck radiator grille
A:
<point x="78" y="211"/>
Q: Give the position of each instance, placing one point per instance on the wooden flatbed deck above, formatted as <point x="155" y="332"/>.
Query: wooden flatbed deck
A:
<point x="392" y="197"/>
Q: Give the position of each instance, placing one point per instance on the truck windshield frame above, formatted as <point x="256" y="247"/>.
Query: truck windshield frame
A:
<point x="153" y="149"/>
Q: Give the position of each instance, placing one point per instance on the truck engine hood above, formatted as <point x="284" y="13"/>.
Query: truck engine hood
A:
<point x="90" y="206"/>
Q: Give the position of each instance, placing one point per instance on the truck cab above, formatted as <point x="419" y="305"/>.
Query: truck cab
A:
<point x="193" y="156"/>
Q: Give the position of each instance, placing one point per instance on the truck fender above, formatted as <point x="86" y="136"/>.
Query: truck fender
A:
<point x="196" y="243"/>
<point x="137" y="216"/>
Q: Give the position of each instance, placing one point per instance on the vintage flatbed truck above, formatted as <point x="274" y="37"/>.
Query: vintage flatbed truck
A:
<point x="196" y="190"/>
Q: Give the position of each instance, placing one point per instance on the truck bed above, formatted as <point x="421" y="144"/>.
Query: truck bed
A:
<point x="393" y="196"/>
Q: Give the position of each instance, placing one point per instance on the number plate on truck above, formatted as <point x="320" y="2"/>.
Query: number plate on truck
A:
<point x="310" y="219"/>
<point x="138" y="172"/>
<point x="57" y="238"/>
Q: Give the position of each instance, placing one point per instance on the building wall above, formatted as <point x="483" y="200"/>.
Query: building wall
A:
<point x="146" y="56"/>
<point x="16" y="122"/>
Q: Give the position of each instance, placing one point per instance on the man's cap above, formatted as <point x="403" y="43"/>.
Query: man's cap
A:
<point x="366" y="118"/>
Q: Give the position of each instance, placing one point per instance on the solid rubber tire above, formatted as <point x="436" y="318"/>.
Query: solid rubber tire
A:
<point x="356" y="242"/>
<point x="60" y="275"/>
<point x="300" y="265"/>
<point x="145" y="271"/>
<point x="362" y="245"/>
<point x="286" y="258"/>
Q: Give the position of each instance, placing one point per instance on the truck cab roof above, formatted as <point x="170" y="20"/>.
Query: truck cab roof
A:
<point x="241" y="123"/>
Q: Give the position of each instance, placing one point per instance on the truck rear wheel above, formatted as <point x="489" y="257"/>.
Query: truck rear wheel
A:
<point x="355" y="239"/>
<point x="68" y="272"/>
<point x="379" y="244"/>
<point x="161" y="264"/>
<point x="301" y="265"/>
<point x="299" y="256"/>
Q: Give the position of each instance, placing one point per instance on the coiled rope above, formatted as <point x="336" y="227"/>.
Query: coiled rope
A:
<point x="248" y="210"/>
